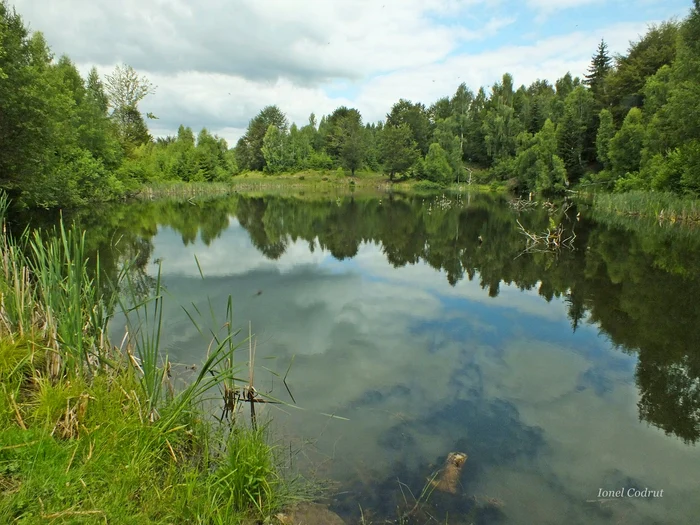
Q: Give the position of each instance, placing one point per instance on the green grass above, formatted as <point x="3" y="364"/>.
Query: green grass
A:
<point x="92" y="434"/>
<point x="664" y="207"/>
<point x="106" y="462"/>
<point x="320" y="182"/>
<point x="180" y="189"/>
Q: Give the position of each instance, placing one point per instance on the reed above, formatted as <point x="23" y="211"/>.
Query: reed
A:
<point x="663" y="206"/>
<point x="93" y="433"/>
<point x="178" y="189"/>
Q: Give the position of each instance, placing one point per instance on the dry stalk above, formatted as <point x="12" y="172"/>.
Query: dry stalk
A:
<point x="11" y="447"/>
<point x="551" y="240"/>
<point x="18" y="415"/>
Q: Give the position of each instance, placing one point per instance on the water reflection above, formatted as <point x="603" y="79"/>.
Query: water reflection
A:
<point x="429" y="340"/>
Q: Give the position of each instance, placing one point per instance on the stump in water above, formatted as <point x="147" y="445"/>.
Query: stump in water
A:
<point x="449" y="477"/>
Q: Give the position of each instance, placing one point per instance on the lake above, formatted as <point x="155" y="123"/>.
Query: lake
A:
<point x="412" y="327"/>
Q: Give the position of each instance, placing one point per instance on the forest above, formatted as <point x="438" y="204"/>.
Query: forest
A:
<point x="632" y="123"/>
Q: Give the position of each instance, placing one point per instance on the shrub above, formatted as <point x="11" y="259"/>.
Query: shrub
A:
<point x="427" y="185"/>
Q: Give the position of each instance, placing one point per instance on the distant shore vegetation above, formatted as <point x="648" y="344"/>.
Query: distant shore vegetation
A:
<point x="67" y="141"/>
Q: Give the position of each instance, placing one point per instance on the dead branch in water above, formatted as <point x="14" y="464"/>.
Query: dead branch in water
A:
<point x="522" y="204"/>
<point x="551" y="240"/>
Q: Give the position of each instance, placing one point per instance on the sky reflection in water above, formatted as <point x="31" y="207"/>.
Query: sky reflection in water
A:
<point x="547" y="415"/>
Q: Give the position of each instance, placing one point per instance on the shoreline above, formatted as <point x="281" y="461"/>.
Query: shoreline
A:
<point x="92" y="431"/>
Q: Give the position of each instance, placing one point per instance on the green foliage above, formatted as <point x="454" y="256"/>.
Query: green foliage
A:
<point x="398" y="148"/>
<point x="276" y="150"/>
<point x="415" y="116"/>
<point x="576" y="132"/>
<point x="249" y="148"/>
<point x="319" y="160"/>
<point x="606" y="131"/>
<point x="598" y="71"/>
<point x="537" y="165"/>
<point x="353" y="142"/>
<point x="624" y="85"/>
<point x="501" y="128"/>
<point x="504" y="169"/>
<point x="630" y="182"/>
<point x="427" y="185"/>
<point x="460" y="105"/>
<point x="437" y="165"/>
<point x="89" y="432"/>
<point x="206" y="159"/>
<point x="67" y="141"/>
<point x="300" y="146"/>
<point x="247" y="476"/>
<point x="664" y="172"/>
<point x="334" y="130"/>
<point x="373" y="154"/>
<point x="654" y="204"/>
<point x="625" y="147"/>
<point x="440" y="109"/>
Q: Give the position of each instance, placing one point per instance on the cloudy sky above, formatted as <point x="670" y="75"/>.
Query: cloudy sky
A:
<point x="217" y="63"/>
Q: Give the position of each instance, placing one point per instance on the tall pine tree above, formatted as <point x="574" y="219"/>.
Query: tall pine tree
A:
<point x="597" y="71"/>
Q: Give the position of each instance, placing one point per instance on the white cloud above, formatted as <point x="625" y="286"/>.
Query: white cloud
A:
<point x="226" y="103"/>
<point x="216" y="64"/>
<point x="549" y="6"/>
<point x="316" y="40"/>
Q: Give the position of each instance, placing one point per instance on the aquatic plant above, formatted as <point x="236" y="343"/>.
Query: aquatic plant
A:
<point x="663" y="206"/>
<point x="89" y="431"/>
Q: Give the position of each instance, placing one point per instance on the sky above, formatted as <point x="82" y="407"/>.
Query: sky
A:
<point x="217" y="63"/>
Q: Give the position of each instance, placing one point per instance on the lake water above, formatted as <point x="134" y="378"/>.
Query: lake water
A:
<point x="417" y="327"/>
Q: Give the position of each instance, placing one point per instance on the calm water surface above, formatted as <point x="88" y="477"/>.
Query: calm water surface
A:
<point x="558" y="375"/>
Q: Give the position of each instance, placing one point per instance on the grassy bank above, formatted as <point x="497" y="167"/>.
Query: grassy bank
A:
<point x="94" y="434"/>
<point x="328" y="182"/>
<point x="664" y="207"/>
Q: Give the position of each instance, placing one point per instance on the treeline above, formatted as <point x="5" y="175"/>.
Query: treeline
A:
<point x="631" y="123"/>
<point x="67" y="140"/>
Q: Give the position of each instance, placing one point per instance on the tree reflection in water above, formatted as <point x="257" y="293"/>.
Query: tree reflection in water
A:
<point x="636" y="282"/>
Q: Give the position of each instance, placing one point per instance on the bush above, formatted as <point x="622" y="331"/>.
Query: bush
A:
<point x="319" y="161"/>
<point x="417" y="171"/>
<point x="504" y="169"/>
<point x="630" y="182"/>
<point x="427" y="185"/>
<point x="513" y="185"/>
<point x="437" y="165"/>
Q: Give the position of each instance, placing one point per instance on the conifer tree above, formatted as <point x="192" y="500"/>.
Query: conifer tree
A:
<point x="597" y="71"/>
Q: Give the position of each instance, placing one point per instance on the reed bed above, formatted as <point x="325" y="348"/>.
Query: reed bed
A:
<point x="662" y="206"/>
<point x="95" y="433"/>
<point x="184" y="190"/>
